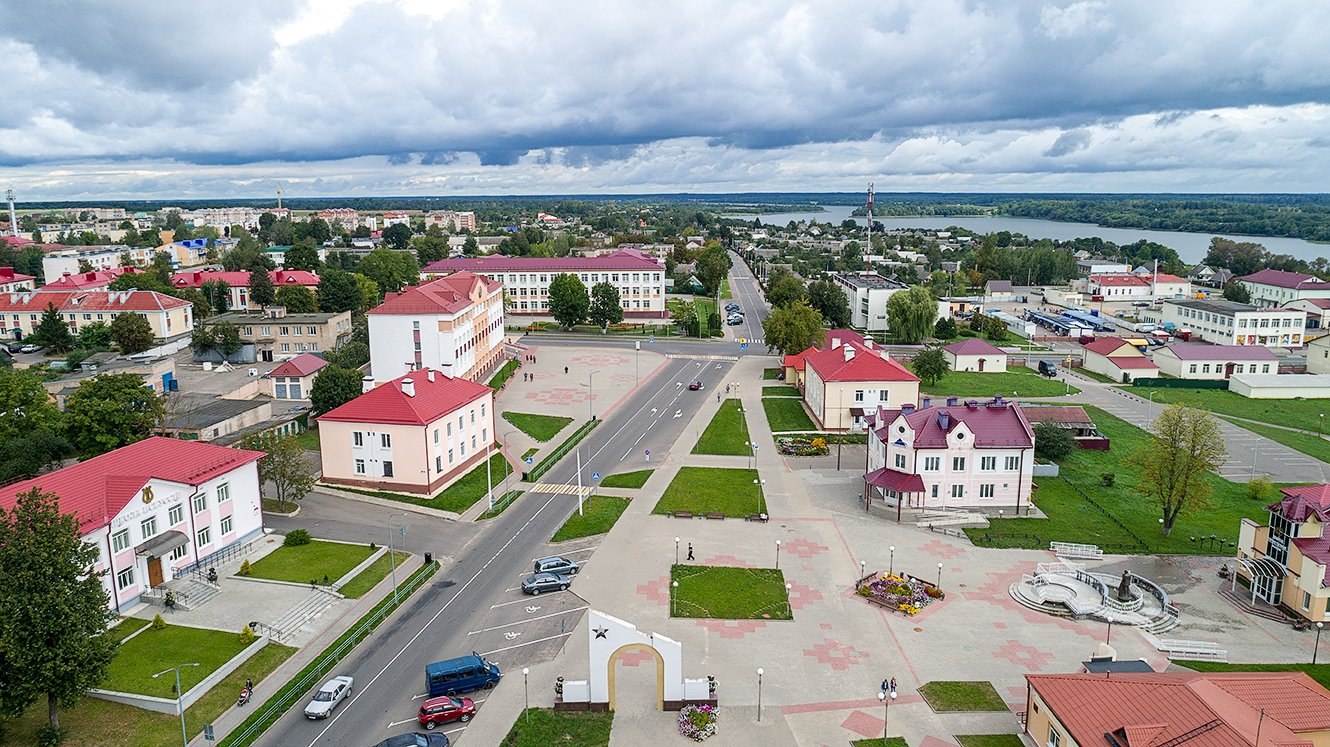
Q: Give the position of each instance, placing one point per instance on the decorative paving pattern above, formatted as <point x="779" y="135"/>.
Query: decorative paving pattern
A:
<point x="558" y="396"/>
<point x="940" y="549"/>
<point x="803" y="548"/>
<point x="931" y="741"/>
<point x="863" y="724"/>
<point x="657" y="590"/>
<point x="998" y="586"/>
<point x="731" y="628"/>
<point x="824" y="626"/>
<point x="1026" y="657"/>
<point x="727" y="560"/>
<point x="801" y="596"/>
<point x="839" y="656"/>
<point x="636" y="656"/>
<point x="599" y="360"/>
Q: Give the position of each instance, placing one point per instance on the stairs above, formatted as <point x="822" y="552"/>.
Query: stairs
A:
<point x="1258" y="610"/>
<point x="196" y="593"/>
<point x="308" y="609"/>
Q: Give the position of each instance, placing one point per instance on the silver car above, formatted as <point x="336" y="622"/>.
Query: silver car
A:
<point x="556" y="564"/>
<point x="333" y="692"/>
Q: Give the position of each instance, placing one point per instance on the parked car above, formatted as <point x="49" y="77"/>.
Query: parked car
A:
<point x="1048" y="368"/>
<point x="695" y="386"/>
<point x="544" y="582"/>
<point x="734" y="321"/>
<point x="30" y="348"/>
<point x="333" y="692"/>
<point x="445" y="710"/>
<point x="732" y="307"/>
<point x="557" y="565"/>
<point x="415" y="739"/>
<point x="14" y="347"/>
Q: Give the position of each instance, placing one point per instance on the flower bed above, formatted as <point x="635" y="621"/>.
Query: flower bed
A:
<point x="903" y="593"/>
<point x="698" y="722"/>
<point x="802" y="446"/>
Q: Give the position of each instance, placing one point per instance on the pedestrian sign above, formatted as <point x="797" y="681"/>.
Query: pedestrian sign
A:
<point x="529" y="460"/>
<point x="743" y="346"/>
<point x="595" y="475"/>
<point x="743" y="340"/>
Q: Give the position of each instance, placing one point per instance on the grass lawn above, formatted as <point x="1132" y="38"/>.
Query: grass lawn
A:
<point x="787" y="414"/>
<point x="501" y="504"/>
<point x="599" y="512"/>
<point x="318" y="560"/>
<point x="154" y="650"/>
<point x="1087" y="373"/>
<point x="772" y="374"/>
<point x="1071" y="518"/>
<point x="1303" y="413"/>
<point x="727" y="433"/>
<point x="101" y="722"/>
<point x="308" y="439"/>
<point x="879" y="742"/>
<point x="1318" y="672"/>
<point x="376" y="572"/>
<point x="729" y="593"/>
<point x="627" y="479"/>
<point x="457" y="497"/>
<point x="271" y="506"/>
<point x="502" y="376"/>
<point x="1308" y="443"/>
<point x="529" y="452"/>
<point x="538" y="727"/>
<point x="1021" y="380"/>
<point x="989" y="740"/>
<point x="947" y="697"/>
<point x="712" y="489"/>
<point x="539" y="427"/>
<point x="780" y="391"/>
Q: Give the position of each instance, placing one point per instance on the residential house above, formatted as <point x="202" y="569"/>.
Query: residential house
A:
<point x="169" y="317"/>
<point x="278" y="254"/>
<point x="452" y="221"/>
<point x="640" y="280"/>
<point x="868" y="293"/>
<point x="1286" y="561"/>
<point x="1117" y="359"/>
<point x="1168" y="709"/>
<point x="970" y="455"/>
<point x="1226" y="322"/>
<point x="999" y="291"/>
<point x="86" y="281"/>
<point x="12" y="282"/>
<point x="1201" y="361"/>
<point x="72" y="260"/>
<point x="1318" y="311"/>
<point x="294" y="378"/>
<point x="155" y="508"/>
<point x="239" y="283"/>
<point x="184" y="253"/>
<point x="1211" y="277"/>
<point x="418" y="433"/>
<point x="452" y="324"/>
<point x="793" y="366"/>
<point x="974" y="354"/>
<point x="848" y="379"/>
<point x="1275" y="288"/>
<point x="278" y="336"/>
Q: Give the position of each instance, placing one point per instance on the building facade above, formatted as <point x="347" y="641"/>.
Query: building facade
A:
<point x="452" y="221"/>
<point x="868" y="293"/>
<point x="239" y="283"/>
<point x="1286" y="561"/>
<point x="1225" y="322"/>
<point x="294" y="378"/>
<point x="84" y="281"/>
<point x="1274" y="288"/>
<point x="1117" y="359"/>
<point x="13" y="282"/>
<point x="278" y="336"/>
<point x="70" y="261"/>
<point x="974" y="354"/>
<point x="170" y="317"/>
<point x="452" y="324"/>
<point x="849" y="379"/>
<point x="1214" y="361"/>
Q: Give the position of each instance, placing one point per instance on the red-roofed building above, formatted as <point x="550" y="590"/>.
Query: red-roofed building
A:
<point x="639" y="279"/>
<point x="848" y="378"/>
<point x="1287" y="561"/>
<point x="11" y="281"/>
<point x="1127" y="286"/>
<point x="1279" y="288"/>
<point x="1117" y="359"/>
<point x="974" y="354"/>
<point x="294" y="378"/>
<point x="156" y="508"/>
<point x="92" y="280"/>
<point x="417" y="433"/>
<point x="977" y="455"/>
<point x="170" y="317"/>
<point x="239" y="282"/>
<point x="452" y="324"/>
<point x="1169" y="709"/>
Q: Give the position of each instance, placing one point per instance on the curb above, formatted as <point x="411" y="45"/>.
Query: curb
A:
<point x="436" y="512"/>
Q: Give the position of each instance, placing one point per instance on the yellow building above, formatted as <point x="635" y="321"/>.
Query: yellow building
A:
<point x="1286" y="563"/>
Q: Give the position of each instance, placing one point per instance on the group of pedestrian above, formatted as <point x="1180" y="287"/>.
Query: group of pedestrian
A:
<point x="528" y="377"/>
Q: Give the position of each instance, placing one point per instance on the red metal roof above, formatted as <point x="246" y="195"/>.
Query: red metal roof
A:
<point x="7" y="275"/>
<point x="622" y="260"/>
<point x="89" y="300"/>
<point x="1106" y="345"/>
<point x="994" y="426"/>
<point x="387" y="403"/>
<point x="1203" y="352"/>
<point x="87" y="280"/>
<point x="1284" y="279"/>
<point x="240" y="279"/>
<point x="1133" y="363"/>
<point x="798" y="360"/>
<point x="301" y="365"/>
<point x="865" y="365"/>
<point x="97" y="489"/>
<point x="446" y="295"/>
<point x="1303" y="501"/>
<point x="974" y="346"/>
<point x="901" y="482"/>
<point x="1119" y="280"/>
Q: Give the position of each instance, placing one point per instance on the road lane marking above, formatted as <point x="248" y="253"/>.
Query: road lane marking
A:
<point x="399" y="723"/>
<point x="529" y="620"/>
<point x="528" y="643"/>
<point x="505" y="604"/>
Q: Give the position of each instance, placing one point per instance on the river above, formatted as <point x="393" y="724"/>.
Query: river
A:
<point x="1191" y="247"/>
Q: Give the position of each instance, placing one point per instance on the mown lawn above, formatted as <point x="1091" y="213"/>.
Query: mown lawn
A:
<point x="539" y="727"/>
<point x="1308" y="443"/>
<point x="954" y="696"/>
<point x="787" y="414"/>
<point x="729" y="593"/>
<point x="712" y="489"/>
<point x="727" y="433"/>
<point x="989" y="740"/>
<point x="308" y="439"/>
<point x="502" y="376"/>
<point x="323" y="562"/>
<point x="772" y="374"/>
<point x="627" y="479"/>
<point x="376" y="572"/>
<point x="1022" y="381"/>
<point x="878" y="742"/>
<point x="1071" y="518"/>
<point x="598" y="516"/>
<point x="1096" y="376"/>
<point x="784" y="390"/>
<point x="1299" y="413"/>
<point x="539" y="427"/>
<point x="457" y="497"/>
<point x="152" y="651"/>
<point x="501" y="504"/>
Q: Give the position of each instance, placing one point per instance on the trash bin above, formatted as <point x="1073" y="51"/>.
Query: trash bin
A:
<point x="429" y="558"/>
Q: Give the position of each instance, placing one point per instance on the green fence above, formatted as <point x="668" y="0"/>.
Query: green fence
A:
<point x="546" y="464"/>
<point x="1182" y="383"/>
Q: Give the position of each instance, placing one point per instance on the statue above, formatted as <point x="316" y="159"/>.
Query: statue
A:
<point x="1124" y="587"/>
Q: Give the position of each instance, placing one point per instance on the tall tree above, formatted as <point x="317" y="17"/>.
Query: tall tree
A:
<point x="110" y="411"/>
<point x="283" y="465"/>
<point x="785" y="290"/>
<point x="52" y="332"/>
<point x="430" y="248"/>
<point x="911" y="313"/>
<point x="713" y="265"/>
<point x="369" y="292"/>
<point x="95" y="336"/>
<point x="831" y="302"/>
<point x="53" y="610"/>
<point x="338" y="291"/>
<point x="261" y="290"/>
<point x="133" y="333"/>
<point x="391" y="270"/>
<point x="297" y="299"/>
<point x="161" y="267"/>
<point x="793" y="328"/>
<point x="1235" y="291"/>
<point x="606" y="306"/>
<point x="218" y="293"/>
<point x="569" y="302"/>
<point x="333" y="387"/>
<point x="1185" y="447"/>
<point x="1052" y="441"/>
<point x="930" y="366"/>
<point x="469" y="247"/>
<point x="303" y="255"/>
<point x="397" y="236"/>
<point x="25" y="403"/>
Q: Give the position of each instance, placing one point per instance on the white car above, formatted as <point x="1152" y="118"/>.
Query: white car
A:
<point x="334" y="691"/>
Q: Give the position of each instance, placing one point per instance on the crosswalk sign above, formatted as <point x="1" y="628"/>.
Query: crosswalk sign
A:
<point x="529" y="460"/>
<point x="743" y="346"/>
<point x="595" y="475"/>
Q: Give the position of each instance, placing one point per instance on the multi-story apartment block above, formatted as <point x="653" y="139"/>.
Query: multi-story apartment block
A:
<point x="396" y="219"/>
<point x="279" y="336"/>
<point x="1272" y="288"/>
<point x="348" y="219"/>
<point x="868" y="293"/>
<point x="70" y="261"/>
<point x="185" y="253"/>
<point x="452" y="324"/>
<point x="1230" y="323"/>
<point x="239" y="282"/>
<point x="1287" y="562"/>
<point x="221" y="218"/>
<point x="170" y="317"/>
<point x="451" y="220"/>
<point x="11" y="281"/>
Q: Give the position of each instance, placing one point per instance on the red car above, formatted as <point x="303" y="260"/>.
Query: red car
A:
<point x="695" y="386"/>
<point x="444" y="709"/>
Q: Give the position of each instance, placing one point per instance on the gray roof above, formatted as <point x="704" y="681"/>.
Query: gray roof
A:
<point x="1215" y="306"/>
<point x="194" y="411"/>
<point x="998" y="286"/>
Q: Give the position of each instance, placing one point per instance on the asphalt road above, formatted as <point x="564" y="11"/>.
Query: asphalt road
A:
<point x="473" y="602"/>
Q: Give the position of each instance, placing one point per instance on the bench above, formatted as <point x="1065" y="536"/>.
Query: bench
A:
<point x="716" y="515"/>
<point x="756" y="517"/>
<point x="682" y="514"/>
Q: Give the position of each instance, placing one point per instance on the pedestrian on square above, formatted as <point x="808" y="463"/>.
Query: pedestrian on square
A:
<point x="565" y="369"/>
<point x="690" y="550"/>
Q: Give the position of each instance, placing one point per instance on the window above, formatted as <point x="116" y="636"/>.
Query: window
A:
<point x="958" y="464"/>
<point x="1306" y="601"/>
<point x="450" y="456"/>
<point x="463" y="448"/>
<point x="986" y="490"/>
<point x="882" y="395"/>
<point x="934" y="493"/>
<point x="203" y="537"/>
<point x="932" y="464"/>
<point x="357" y="439"/>
<point x="449" y="426"/>
<point x="988" y="464"/>
<point x="120" y="541"/>
<point x="387" y="469"/>
<point x="858" y="395"/>
<point x="286" y="347"/>
<point x="284" y="331"/>
<point x="125" y="578"/>
<point x="226" y="525"/>
<point x="900" y="461"/>
<point x="149" y="527"/>
<point x="386" y="440"/>
<point x="224" y="493"/>
<point x="176" y="514"/>
<point x="360" y="466"/>
<point x="200" y="503"/>
<point x="179" y="552"/>
<point x="482" y="409"/>
<point x="1265" y="368"/>
<point x="311" y="331"/>
<point x="957" y="491"/>
<point x="1054" y="739"/>
<point x="1192" y="368"/>
<point x="438" y="464"/>
<point x="473" y="417"/>
<point x="1205" y="368"/>
<point x="436" y="435"/>
<point x="485" y="435"/>
<point x="1012" y="463"/>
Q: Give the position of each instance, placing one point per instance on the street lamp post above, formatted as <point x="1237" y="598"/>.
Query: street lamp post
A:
<point x="886" y="699"/>
<point x="863" y="571"/>
<point x="392" y="559"/>
<point x="1150" y="411"/>
<point x="939" y="575"/>
<point x="674" y="605"/>
<point x="1316" y="649"/>
<point x="1161" y="534"/>
<point x="590" y="395"/>
<point x="526" y="695"/>
<point x="1254" y="447"/>
<point x="179" y="702"/>
<point x="789" y="608"/>
<point x="891" y="562"/>
<point x="777" y="554"/>
<point x="759" y="693"/>
<point x="760" y="501"/>
<point x="676" y="550"/>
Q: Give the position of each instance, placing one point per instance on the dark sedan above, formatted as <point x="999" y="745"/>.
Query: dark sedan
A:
<point x="542" y="582"/>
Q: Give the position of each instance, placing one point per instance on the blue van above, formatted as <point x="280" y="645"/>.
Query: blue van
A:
<point x="463" y="674"/>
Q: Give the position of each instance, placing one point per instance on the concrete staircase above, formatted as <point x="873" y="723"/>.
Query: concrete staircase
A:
<point x="1243" y="602"/>
<point x="318" y="602"/>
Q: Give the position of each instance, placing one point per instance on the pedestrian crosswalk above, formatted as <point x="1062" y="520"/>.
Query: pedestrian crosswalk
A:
<point x="558" y="489"/>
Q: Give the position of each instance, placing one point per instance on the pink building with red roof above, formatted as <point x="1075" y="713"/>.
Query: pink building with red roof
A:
<point x="11" y="281"/>
<point x="294" y="378"/>
<point x="1287" y="561"/>
<point x="92" y="280"/>
<point x="452" y="324"/>
<point x="1279" y="288"/>
<point x="418" y="433"/>
<point x="155" y="509"/>
<point x="972" y="455"/>
<point x="848" y="379"/>
<point x="239" y="282"/>
<point x="169" y="317"/>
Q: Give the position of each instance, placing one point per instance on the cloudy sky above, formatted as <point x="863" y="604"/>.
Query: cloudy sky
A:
<point x="161" y="98"/>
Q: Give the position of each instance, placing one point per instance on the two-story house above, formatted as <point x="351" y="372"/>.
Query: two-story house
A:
<point x="849" y="379"/>
<point x="1275" y="288"/>
<point x="1287" y="561"/>
<point x="452" y="324"/>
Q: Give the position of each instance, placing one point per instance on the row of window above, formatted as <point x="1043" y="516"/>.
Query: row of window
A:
<point x="628" y="290"/>
<point x="121" y="541"/>
<point x="860" y="395"/>
<point x="538" y="305"/>
<point x="1237" y="368"/>
<point x="986" y="464"/>
<point x="592" y="277"/>
<point x="124" y="578"/>
<point x="1265" y="322"/>
<point x="283" y="331"/>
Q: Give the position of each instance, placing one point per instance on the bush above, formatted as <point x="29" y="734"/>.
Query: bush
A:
<point x="1053" y="442"/>
<point x="296" y="538"/>
<point x="1260" y="488"/>
<point x="158" y="623"/>
<point x="1107" y="479"/>
<point x="48" y="737"/>
<point x="247" y="635"/>
<point x="245" y="570"/>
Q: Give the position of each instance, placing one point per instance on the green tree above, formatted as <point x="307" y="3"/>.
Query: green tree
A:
<point x="32" y="453"/>
<point x="261" y="290"/>
<point x="96" y="336"/>
<point x="790" y="329"/>
<point x="713" y="266"/>
<point x="110" y="411"/>
<point x="218" y="293"/>
<point x="1237" y="292"/>
<point x="201" y="340"/>
<point x="785" y="290"/>
<point x="606" y="306"/>
<point x="26" y="405"/>
<point x="1185" y="447"/>
<point x="397" y="236"/>
<point x="391" y="270"/>
<point x="283" y="466"/>
<point x="911" y="313"/>
<point x="53" y="609"/>
<point x="333" y="387"/>
<point x="430" y="248"/>
<point x="227" y="336"/>
<point x="945" y="329"/>
<point x="161" y="268"/>
<point x="350" y="354"/>
<point x="1052" y="441"/>
<point x="569" y="302"/>
<point x="369" y="293"/>
<point x="930" y="366"/>
<point x="52" y="332"/>
<point x="831" y="302"/>
<point x="470" y="248"/>
<point x="338" y="291"/>
<point x="132" y="333"/>
<point x="303" y="255"/>
<point x="297" y="299"/>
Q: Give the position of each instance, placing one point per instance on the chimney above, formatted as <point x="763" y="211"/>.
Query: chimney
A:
<point x="849" y="353"/>
<point x="953" y="401"/>
<point x="64" y="275"/>
<point x="366" y="384"/>
<point x="429" y="375"/>
<point x="408" y="387"/>
<point x="835" y="342"/>
<point x="971" y="404"/>
<point x="925" y="403"/>
<point x="944" y="420"/>
<point x="997" y="401"/>
<point x="868" y="343"/>
<point x="907" y="408"/>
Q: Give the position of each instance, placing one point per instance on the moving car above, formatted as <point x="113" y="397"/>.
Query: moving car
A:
<point x="333" y="692"/>
<point x="1048" y="368"/>
<point x="445" y="710"/>
<point x="695" y="386"/>
<point x="415" y="739"/>
<point x="558" y="565"/>
<point x="544" y="582"/>
<point x="459" y="675"/>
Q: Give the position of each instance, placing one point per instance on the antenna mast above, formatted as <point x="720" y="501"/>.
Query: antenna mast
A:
<point x="279" y="196"/>
<point x="13" y="217"/>
<point x="869" y="249"/>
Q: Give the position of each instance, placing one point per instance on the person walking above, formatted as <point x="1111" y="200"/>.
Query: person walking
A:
<point x="690" y="550"/>
<point x="565" y="369"/>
